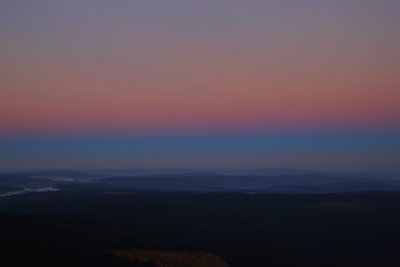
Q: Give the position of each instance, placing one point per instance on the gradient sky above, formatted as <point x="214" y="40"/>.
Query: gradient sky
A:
<point x="200" y="84"/>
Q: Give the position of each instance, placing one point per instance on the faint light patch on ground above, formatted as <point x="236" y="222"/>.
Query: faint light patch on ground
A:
<point x="29" y="190"/>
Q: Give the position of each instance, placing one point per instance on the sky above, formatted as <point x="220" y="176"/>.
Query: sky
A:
<point x="200" y="84"/>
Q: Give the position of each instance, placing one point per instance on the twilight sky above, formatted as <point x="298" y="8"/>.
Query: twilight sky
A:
<point x="200" y="84"/>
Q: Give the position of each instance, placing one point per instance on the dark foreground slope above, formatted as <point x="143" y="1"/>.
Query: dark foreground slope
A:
<point x="79" y="228"/>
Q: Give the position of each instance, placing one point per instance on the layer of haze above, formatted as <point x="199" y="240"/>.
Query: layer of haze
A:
<point x="187" y="83"/>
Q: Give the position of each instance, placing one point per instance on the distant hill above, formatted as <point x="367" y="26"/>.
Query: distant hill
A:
<point x="278" y="180"/>
<point x="311" y="183"/>
<point x="338" y="187"/>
